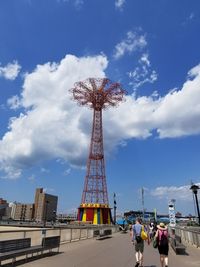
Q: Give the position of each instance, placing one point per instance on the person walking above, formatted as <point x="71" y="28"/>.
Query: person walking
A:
<point x="151" y="227"/>
<point x="163" y="243"/>
<point x="138" y="241"/>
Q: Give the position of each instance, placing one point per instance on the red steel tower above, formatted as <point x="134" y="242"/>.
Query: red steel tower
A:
<point x="98" y="94"/>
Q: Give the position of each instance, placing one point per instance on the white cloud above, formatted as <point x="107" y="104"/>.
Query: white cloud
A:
<point x="119" y="4"/>
<point x="44" y="170"/>
<point x="53" y="126"/>
<point x="191" y="17"/>
<point x="179" y="111"/>
<point x="133" y="42"/>
<point x="10" y="71"/>
<point x="2" y="106"/>
<point x="145" y="59"/>
<point x="142" y="73"/>
<point x="52" y="122"/>
<point x="11" y="172"/>
<point x="49" y="190"/>
<point x="182" y="193"/>
<point x="31" y="178"/>
<point x="67" y="172"/>
<point x="77" y="3"/>
<point x="14" y="102"/>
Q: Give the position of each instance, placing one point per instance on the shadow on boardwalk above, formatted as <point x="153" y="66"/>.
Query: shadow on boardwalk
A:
<point x="117" y="251"/>
<point x="22" y="262"/>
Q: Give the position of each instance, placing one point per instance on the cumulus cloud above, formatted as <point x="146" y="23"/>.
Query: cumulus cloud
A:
<point x="191" y="16"/>
<point x="67" y="172"/>
<point x="119" y="4"/>
<point x="142" y="73"/>
<point x="53" y="126"/>
<point x="49" y="190"/>
<point x="31" y="178"/>
<point x="133" y="42"/>
<point x="44" y="170"/>
<point x="10" y="71"/>
<point x="182" y="193"/>
<point x="189" y="19"/>
<point x="179" y="111"/>
<point x="14" y="102"/>
<point x="77" y="3"/>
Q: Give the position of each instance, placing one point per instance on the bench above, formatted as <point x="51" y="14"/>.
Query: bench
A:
<point x="102" y="234"/>
<point x="96" y="233"/>
<point x="48" y="243"/>
<point x="177" y="245"/>
<point x="10" y="249"/>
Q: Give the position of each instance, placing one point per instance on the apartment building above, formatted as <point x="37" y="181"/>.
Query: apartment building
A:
<point x="45" y="206"/>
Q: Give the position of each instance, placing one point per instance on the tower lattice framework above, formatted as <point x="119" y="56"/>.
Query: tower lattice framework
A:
<point x="98" y="94"/>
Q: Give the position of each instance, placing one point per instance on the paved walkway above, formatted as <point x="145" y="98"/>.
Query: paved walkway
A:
<point x="112" y="252"/>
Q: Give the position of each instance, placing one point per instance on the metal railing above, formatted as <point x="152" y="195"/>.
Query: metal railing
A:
<point x="67" y="234"/>
<point x="189" y="235"/>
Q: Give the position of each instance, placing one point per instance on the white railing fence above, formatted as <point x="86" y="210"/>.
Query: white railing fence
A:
<point x="189" y="235"/>
<point x="67" y="234"/>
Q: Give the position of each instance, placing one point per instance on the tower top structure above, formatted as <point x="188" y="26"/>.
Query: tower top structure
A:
<point x="98" y="93"/>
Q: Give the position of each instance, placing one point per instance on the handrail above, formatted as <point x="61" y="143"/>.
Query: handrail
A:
<point x="188" y="236"/>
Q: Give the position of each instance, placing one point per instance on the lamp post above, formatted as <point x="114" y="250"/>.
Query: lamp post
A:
<point x="46" y="210"/>
<point x="194" y="189"/>
<point x="54" y="217"/>
<point x="143" y="211"/>
<point x="115" y="207"/>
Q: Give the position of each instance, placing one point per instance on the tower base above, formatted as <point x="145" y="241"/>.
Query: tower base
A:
<point x="95" y="213"/>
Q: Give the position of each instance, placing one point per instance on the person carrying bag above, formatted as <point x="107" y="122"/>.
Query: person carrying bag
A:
<point x="162" y="243"/>
<point x="138" y="236"/>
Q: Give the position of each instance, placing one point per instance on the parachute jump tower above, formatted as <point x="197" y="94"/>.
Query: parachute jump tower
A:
<point x="97" y="94"/>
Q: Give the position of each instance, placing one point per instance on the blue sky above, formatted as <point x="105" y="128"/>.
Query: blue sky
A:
<point x="151" y="139"/>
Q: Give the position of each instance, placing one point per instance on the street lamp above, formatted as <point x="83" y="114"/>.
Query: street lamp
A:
<point x="54" y="217"/>
<point x="46" y="210"/>
<point x="194" y="189"/>
<point x="115" y="207"/>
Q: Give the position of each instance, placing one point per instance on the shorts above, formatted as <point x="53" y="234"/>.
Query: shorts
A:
<point x="139" y="246"/>
<point x="163" y="250"/>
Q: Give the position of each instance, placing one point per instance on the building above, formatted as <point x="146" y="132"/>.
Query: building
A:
<point x="132" y="215"/>
<point x="3" y="207"/>
<point x="66" y="218"/>
<point x="12" y="206"/>
<point x="45" y="206"/>
<point x="22" y="212"/>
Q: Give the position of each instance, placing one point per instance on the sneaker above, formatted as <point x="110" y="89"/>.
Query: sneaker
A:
<point x="137" y="264"/>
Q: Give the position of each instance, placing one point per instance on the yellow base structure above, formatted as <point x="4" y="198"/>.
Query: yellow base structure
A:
<point x="95" y="213"/>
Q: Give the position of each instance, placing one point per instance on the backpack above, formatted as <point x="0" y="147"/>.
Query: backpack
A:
<point x="163" y="237"/>
<point x="138" y="238"/>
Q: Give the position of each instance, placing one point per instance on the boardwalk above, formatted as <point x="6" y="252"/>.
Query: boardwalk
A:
<point x="113" y="252"/>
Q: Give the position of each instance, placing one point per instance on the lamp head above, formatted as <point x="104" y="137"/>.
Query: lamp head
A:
<point x="194" y="188"/>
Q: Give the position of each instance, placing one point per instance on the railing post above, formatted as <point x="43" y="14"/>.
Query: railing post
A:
<point x="70" y="234"/>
